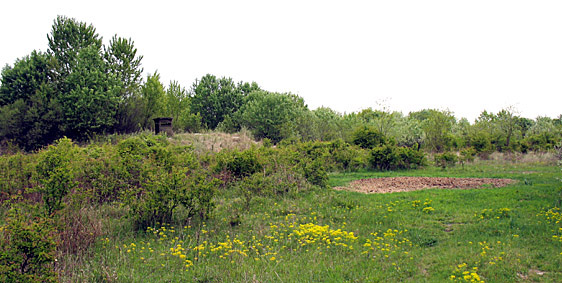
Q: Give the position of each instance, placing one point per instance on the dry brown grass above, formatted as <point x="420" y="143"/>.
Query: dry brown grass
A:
<point x="214" y="141"/>
<point x="526" y="158"/>
<point x="80" y="228"/>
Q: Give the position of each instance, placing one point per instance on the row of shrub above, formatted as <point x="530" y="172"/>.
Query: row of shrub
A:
<point x="125" y="171"/>
<point x="122" y="172"/>
<point x="157" y="182"/>
<point x="45" y="197"/>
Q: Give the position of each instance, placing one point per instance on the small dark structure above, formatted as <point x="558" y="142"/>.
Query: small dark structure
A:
<point x="163" y="124"/>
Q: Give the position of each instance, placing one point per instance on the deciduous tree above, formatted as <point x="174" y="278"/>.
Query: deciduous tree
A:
<point x="272" y="115"/>
<point x="89" y="102"/>
<point x="154" y="97"/>
<point x="29" y="113"/>
<point x="215" y="98"/>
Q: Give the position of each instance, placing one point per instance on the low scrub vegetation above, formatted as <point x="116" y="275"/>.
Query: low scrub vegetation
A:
<point x="170" y="212"/>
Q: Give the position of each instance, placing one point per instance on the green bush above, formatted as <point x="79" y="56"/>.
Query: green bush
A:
<point x="138" y="155"/>
<point x="315" y="173"/>
<point x="467" y="155"/>
<point x="390" y="157"/>
<point x="257" y="185"/>
<point x="55" y="173"/>
<point x="109" y="171"/>
<point x="539" y="142"/>
<point x="166" y="191"/>
<point x="384" y="158"/>
<point x="335" y="155"/>
<point x="103" y="174"/>
<point x="189" y="122"/>
<point x="16" y="173"/>
<point x="165" y="179"/>
<point x="347" y="157"/>
<point x="139" y="144"/>
<point x="480" y="142"/>
<point x="239" y="164"/>
<point x="272" y="185"/>
<point x="27" y="249"/>
<point x="368" y="137"/>
<point x="410" y="158"/>
<point x="446" y="159"/>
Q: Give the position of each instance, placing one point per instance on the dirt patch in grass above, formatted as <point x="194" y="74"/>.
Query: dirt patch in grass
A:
<point x="406" y="184"/>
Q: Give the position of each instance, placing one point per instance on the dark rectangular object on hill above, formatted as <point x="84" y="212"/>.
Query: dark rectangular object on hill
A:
<point x="163" y="124"/>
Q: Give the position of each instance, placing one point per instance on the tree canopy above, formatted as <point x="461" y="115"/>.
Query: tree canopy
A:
<point x="81" y="88"/>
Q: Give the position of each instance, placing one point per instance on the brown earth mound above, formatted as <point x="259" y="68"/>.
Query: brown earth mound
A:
<point x="405" y="184"/>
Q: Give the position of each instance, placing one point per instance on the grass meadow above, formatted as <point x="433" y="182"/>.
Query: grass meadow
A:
<point x="508" y="234"/>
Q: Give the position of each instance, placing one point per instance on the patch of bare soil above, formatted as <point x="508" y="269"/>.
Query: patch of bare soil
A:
<point x="406" y="184"/>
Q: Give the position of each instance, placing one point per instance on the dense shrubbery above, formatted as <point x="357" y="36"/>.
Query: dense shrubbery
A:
<point x="368" y="137"/>
<point x="446" y="159"/>
<point x="27" y="248"/>
<point x="335" y="155"/>
<point x="55" y="174"/>
<point x="167" y="191"/>
<point x="16" y="173"/>
<point x="238" y="164"/>
<point x="389" y="157"/>
<point x="272" y="185"/>
<point x="148" y="169"/>
<point x="156" y="181"/>
<point x="143" y="172"/>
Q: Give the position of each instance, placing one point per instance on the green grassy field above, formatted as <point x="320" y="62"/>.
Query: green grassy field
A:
<point x="504" y="234"/>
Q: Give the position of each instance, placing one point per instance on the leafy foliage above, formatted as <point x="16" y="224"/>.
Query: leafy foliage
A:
<point x="167" y="191"/>
<point x="266" y="185"/>
<point x="66" y="39"/>
<point x="91" y="96"/>
<point x="368" y="137"/>
<point x="437" y="126"/>
<point x="389" y="157"/>
<point x="154" y="96"/>
<point x="27" y="249"/>
<point x="177" y="105"/>
<point x="74" y="89"/>
<point x="238" y="164"/>
<point x="315" y="173"/>
<point x="87" y="91"/>
<point x="446" y="159"/>
<point x="16" y="171"/>
<point x="272" y="115"/>
<point x="327" y="124"/>
<point x="30" y="114"/>
<point x="26" y="77"/>
<point x="55" y="174"/>
<point x="122" y="61"/>
<point x="216" y="98"/>
<point x="334" y="156"/>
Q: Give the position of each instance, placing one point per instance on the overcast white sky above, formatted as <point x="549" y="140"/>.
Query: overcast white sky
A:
<point x="465" y="56"/>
